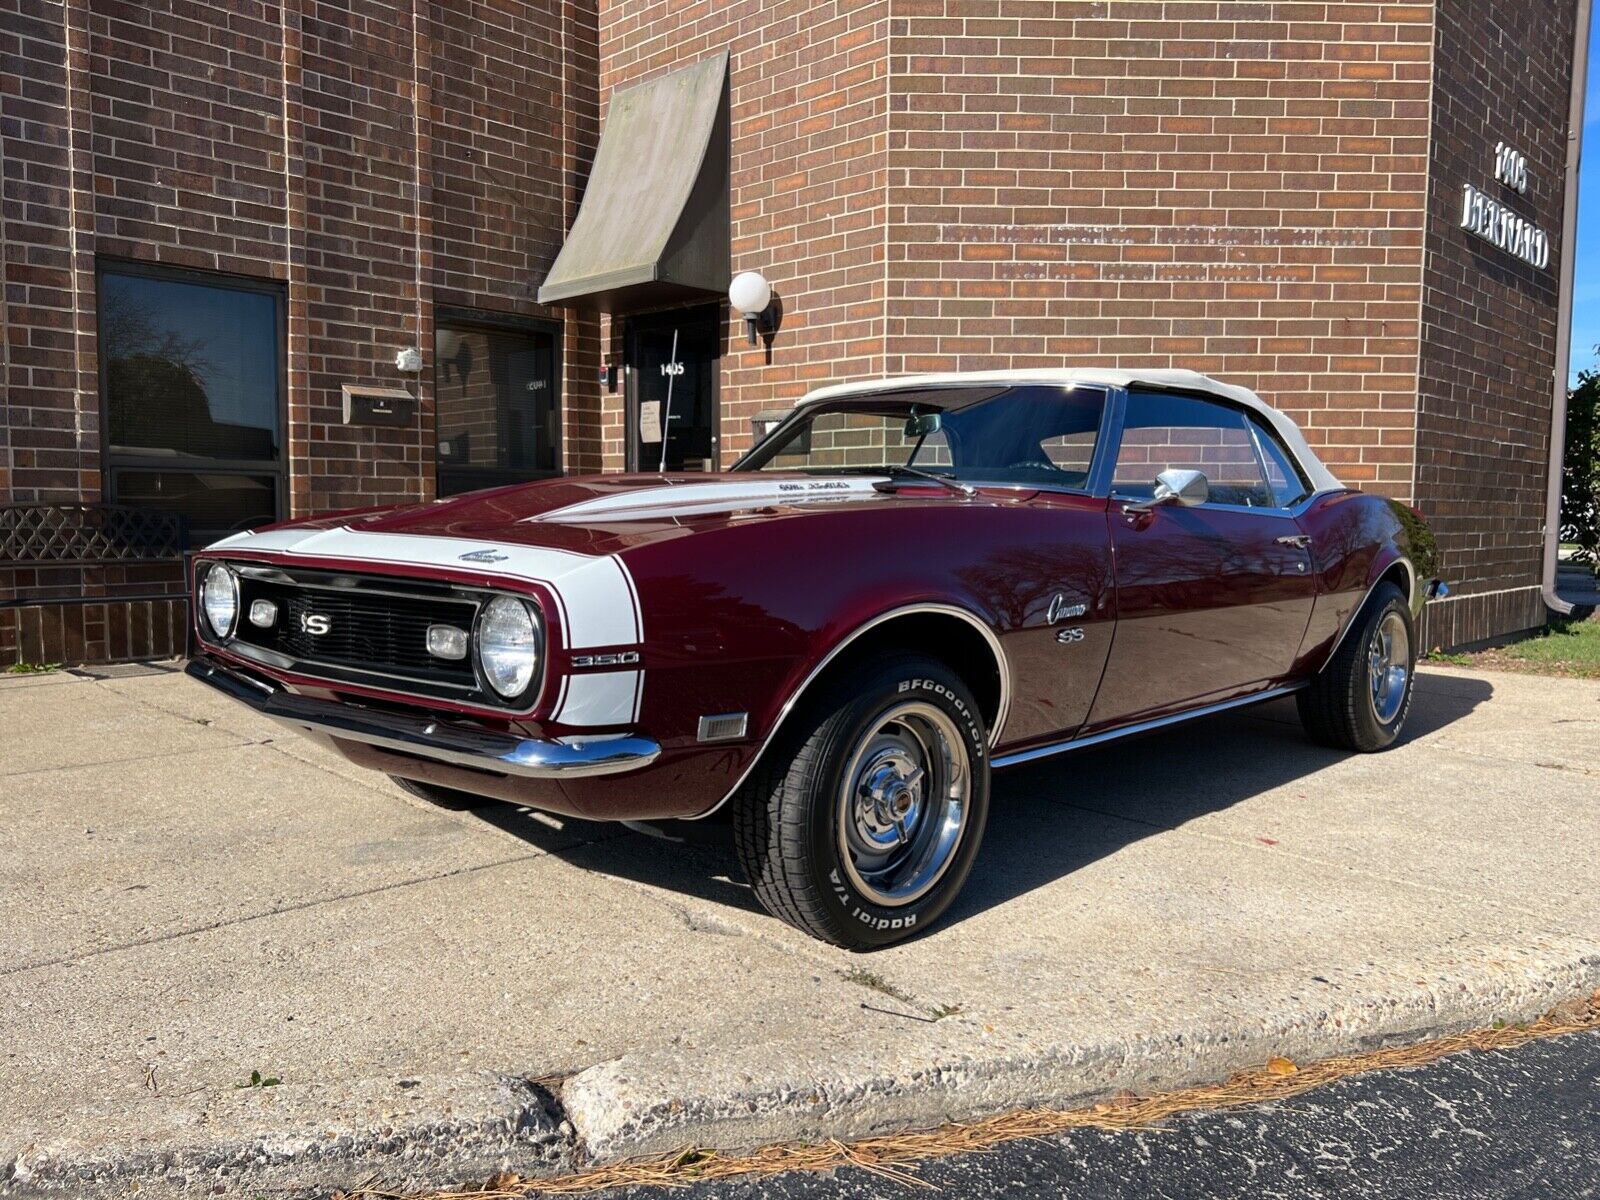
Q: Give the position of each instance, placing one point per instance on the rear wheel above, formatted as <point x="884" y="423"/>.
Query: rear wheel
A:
<point x="441" y="797"/>
<point x="860" y="826"/>
<point x="1359" y="701"/>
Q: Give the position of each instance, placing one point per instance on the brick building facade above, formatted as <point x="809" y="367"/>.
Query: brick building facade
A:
<point x="1267" y="191"/>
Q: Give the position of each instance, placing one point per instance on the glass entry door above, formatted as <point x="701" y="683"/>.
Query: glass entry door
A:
<point x="495" y="397"/>
<point x="672" y="361"/>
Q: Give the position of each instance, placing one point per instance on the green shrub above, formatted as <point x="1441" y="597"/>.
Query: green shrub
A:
<point x="1580" y="470"/>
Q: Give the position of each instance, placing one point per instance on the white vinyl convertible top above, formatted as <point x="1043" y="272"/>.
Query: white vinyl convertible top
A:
<point x="1163" y="379"/>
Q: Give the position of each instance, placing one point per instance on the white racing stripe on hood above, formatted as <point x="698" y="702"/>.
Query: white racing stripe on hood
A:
<point x="598" y="602"/>
<point x="671" y="500"/>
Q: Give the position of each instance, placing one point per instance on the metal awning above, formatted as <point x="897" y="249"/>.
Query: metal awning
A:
<point x="653" y="227"/>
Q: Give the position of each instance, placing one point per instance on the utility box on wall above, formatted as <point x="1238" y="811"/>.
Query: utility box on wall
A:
<point x="378" y="405"/>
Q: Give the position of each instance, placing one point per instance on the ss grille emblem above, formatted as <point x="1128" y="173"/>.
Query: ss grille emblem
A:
<point x="315" y="624"/>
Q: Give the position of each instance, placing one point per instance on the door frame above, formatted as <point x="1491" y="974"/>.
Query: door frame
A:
<point x="632" y="324"/>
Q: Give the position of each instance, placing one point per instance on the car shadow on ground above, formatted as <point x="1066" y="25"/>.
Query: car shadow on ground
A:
<point x="1047" y="819"/>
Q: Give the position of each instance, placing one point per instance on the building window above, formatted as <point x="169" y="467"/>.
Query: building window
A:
<point x="497" y="411"/>
<point x="192" y="395"/>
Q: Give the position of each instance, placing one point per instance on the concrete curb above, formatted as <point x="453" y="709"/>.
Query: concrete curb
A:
<point x="446" y="1130"/>
<point x="641" y="1106"/>
<point x="312" y="1140"/>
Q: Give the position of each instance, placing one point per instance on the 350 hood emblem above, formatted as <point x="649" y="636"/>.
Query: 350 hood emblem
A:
<point x="484" y="556"/>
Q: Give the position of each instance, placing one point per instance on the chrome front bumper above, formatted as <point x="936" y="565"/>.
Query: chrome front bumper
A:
<point x="437" y="740"/>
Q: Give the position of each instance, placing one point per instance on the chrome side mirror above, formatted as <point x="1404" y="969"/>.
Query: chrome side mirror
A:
<point x="1178" y="486"/>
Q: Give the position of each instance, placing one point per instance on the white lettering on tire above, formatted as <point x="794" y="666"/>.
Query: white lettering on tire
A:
<point x="939" y="689"/>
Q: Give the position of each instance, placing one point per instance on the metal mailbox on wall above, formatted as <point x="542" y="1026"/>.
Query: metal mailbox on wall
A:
<point x="378" y="405"/>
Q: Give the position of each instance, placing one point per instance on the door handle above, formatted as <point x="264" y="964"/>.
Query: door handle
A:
<point x="1302" y="540"/>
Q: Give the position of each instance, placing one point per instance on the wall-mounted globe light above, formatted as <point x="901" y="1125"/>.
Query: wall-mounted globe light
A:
<point x="751" y="295"/>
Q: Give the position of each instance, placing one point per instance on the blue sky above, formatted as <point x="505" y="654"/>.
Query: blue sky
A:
<point x="1586" y="278"/>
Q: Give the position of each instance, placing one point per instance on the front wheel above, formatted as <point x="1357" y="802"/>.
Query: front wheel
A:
<point x="1359" y="701"/>
<point x="862" y="822"/>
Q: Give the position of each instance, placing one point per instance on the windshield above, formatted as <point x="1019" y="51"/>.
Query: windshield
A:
<point x="1019" y="435"/>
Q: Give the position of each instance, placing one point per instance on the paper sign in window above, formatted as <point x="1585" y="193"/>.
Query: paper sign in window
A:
<point x="650" y="421"/>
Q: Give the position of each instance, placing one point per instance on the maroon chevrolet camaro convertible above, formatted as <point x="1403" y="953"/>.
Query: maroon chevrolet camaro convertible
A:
<point x="907" y="584"/>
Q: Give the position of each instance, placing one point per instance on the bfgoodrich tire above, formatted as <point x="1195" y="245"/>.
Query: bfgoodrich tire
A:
<point x="1359" y="701"/>
<point x="861" y="823"/>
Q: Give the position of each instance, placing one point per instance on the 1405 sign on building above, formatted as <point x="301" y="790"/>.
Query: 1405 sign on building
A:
<point x="1495" y="223"/>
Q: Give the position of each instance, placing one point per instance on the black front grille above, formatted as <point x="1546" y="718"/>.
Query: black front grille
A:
<point x="372" y="629"/>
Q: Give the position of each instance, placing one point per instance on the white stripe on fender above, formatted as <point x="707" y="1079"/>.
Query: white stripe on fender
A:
<point x="598" y="602"/>
<point x="602" y="698"/>
<point x="695" y="499"/>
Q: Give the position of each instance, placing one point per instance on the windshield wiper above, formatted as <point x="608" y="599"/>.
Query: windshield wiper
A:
<point x="897" y="471"/>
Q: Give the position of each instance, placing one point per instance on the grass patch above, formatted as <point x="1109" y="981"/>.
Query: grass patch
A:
<point x="871" y="980"/>
<point x="1569" y="648"/>
<point x="24" y="668"/>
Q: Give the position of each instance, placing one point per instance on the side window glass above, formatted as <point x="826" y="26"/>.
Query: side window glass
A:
<point x="1071" y="452"/>
<point x="1161" y="432"/>
<point x="1283" y="477"/>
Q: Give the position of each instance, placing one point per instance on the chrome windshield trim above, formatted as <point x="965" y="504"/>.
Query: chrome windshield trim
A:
<point x="437" y="740"/>
<point x="1018" y="757"/>
<point x="1002" y="665"/>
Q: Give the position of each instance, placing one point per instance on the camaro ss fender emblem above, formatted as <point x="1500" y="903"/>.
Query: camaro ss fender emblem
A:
<point x="1060" y="610"/>
<point x="315" y="624"/>
<point x="1066" y="636"/>
<point x="484" y="556"/>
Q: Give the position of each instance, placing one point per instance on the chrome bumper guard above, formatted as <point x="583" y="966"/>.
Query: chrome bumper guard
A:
<point x="437" y="740"/>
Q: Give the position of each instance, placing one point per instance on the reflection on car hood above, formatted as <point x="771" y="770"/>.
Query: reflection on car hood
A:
<point x="686" y="498"/>
<point x="593" y="514"/>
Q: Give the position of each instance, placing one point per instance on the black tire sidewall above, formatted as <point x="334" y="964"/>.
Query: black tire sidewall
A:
<point x="863" y="923"/>
<point x="1372" y="732"/>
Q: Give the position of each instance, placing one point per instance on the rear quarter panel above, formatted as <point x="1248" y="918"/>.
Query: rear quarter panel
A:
<point x="1356" y="538"/>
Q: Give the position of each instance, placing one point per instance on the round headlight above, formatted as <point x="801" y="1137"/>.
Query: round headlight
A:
<point x="508" y="646"/>
<point x="219" y="595"/>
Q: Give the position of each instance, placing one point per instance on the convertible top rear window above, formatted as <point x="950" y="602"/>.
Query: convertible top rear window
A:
<point x="1035" y="435"/>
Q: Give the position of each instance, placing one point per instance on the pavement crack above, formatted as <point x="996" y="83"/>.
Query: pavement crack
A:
<point x="132" y="758"/>
<point x="233" y="922"/>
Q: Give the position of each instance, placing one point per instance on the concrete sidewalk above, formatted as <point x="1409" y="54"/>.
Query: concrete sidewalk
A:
<point x="189" y="895"/>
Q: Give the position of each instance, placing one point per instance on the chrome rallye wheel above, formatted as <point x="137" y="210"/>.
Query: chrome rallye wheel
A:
<point x="903" y="803"/>
<point x="860" y="825"/>
<point x="1359" y="701"/>
<point x="1389" y="666"/>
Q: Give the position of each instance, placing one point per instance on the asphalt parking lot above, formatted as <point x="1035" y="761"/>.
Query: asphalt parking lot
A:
<point x="191" y="896"/>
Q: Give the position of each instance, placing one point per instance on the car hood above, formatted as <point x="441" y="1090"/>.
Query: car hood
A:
<point x="595" y="514"/>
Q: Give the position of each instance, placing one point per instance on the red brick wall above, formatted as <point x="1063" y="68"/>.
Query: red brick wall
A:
<point x="809" y="136"/>
<point x="1232" y="187"/>
<point x="96" y="632"/>
<point x="376" y="157"/>
<point x="1488" y="349"/>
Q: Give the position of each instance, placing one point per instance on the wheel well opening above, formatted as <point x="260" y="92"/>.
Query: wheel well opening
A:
<point x="952" y="640"/>
<point x="1399" y="573"/>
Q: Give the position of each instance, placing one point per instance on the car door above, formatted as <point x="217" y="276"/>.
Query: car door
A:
<point x="1213" y="600"/>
